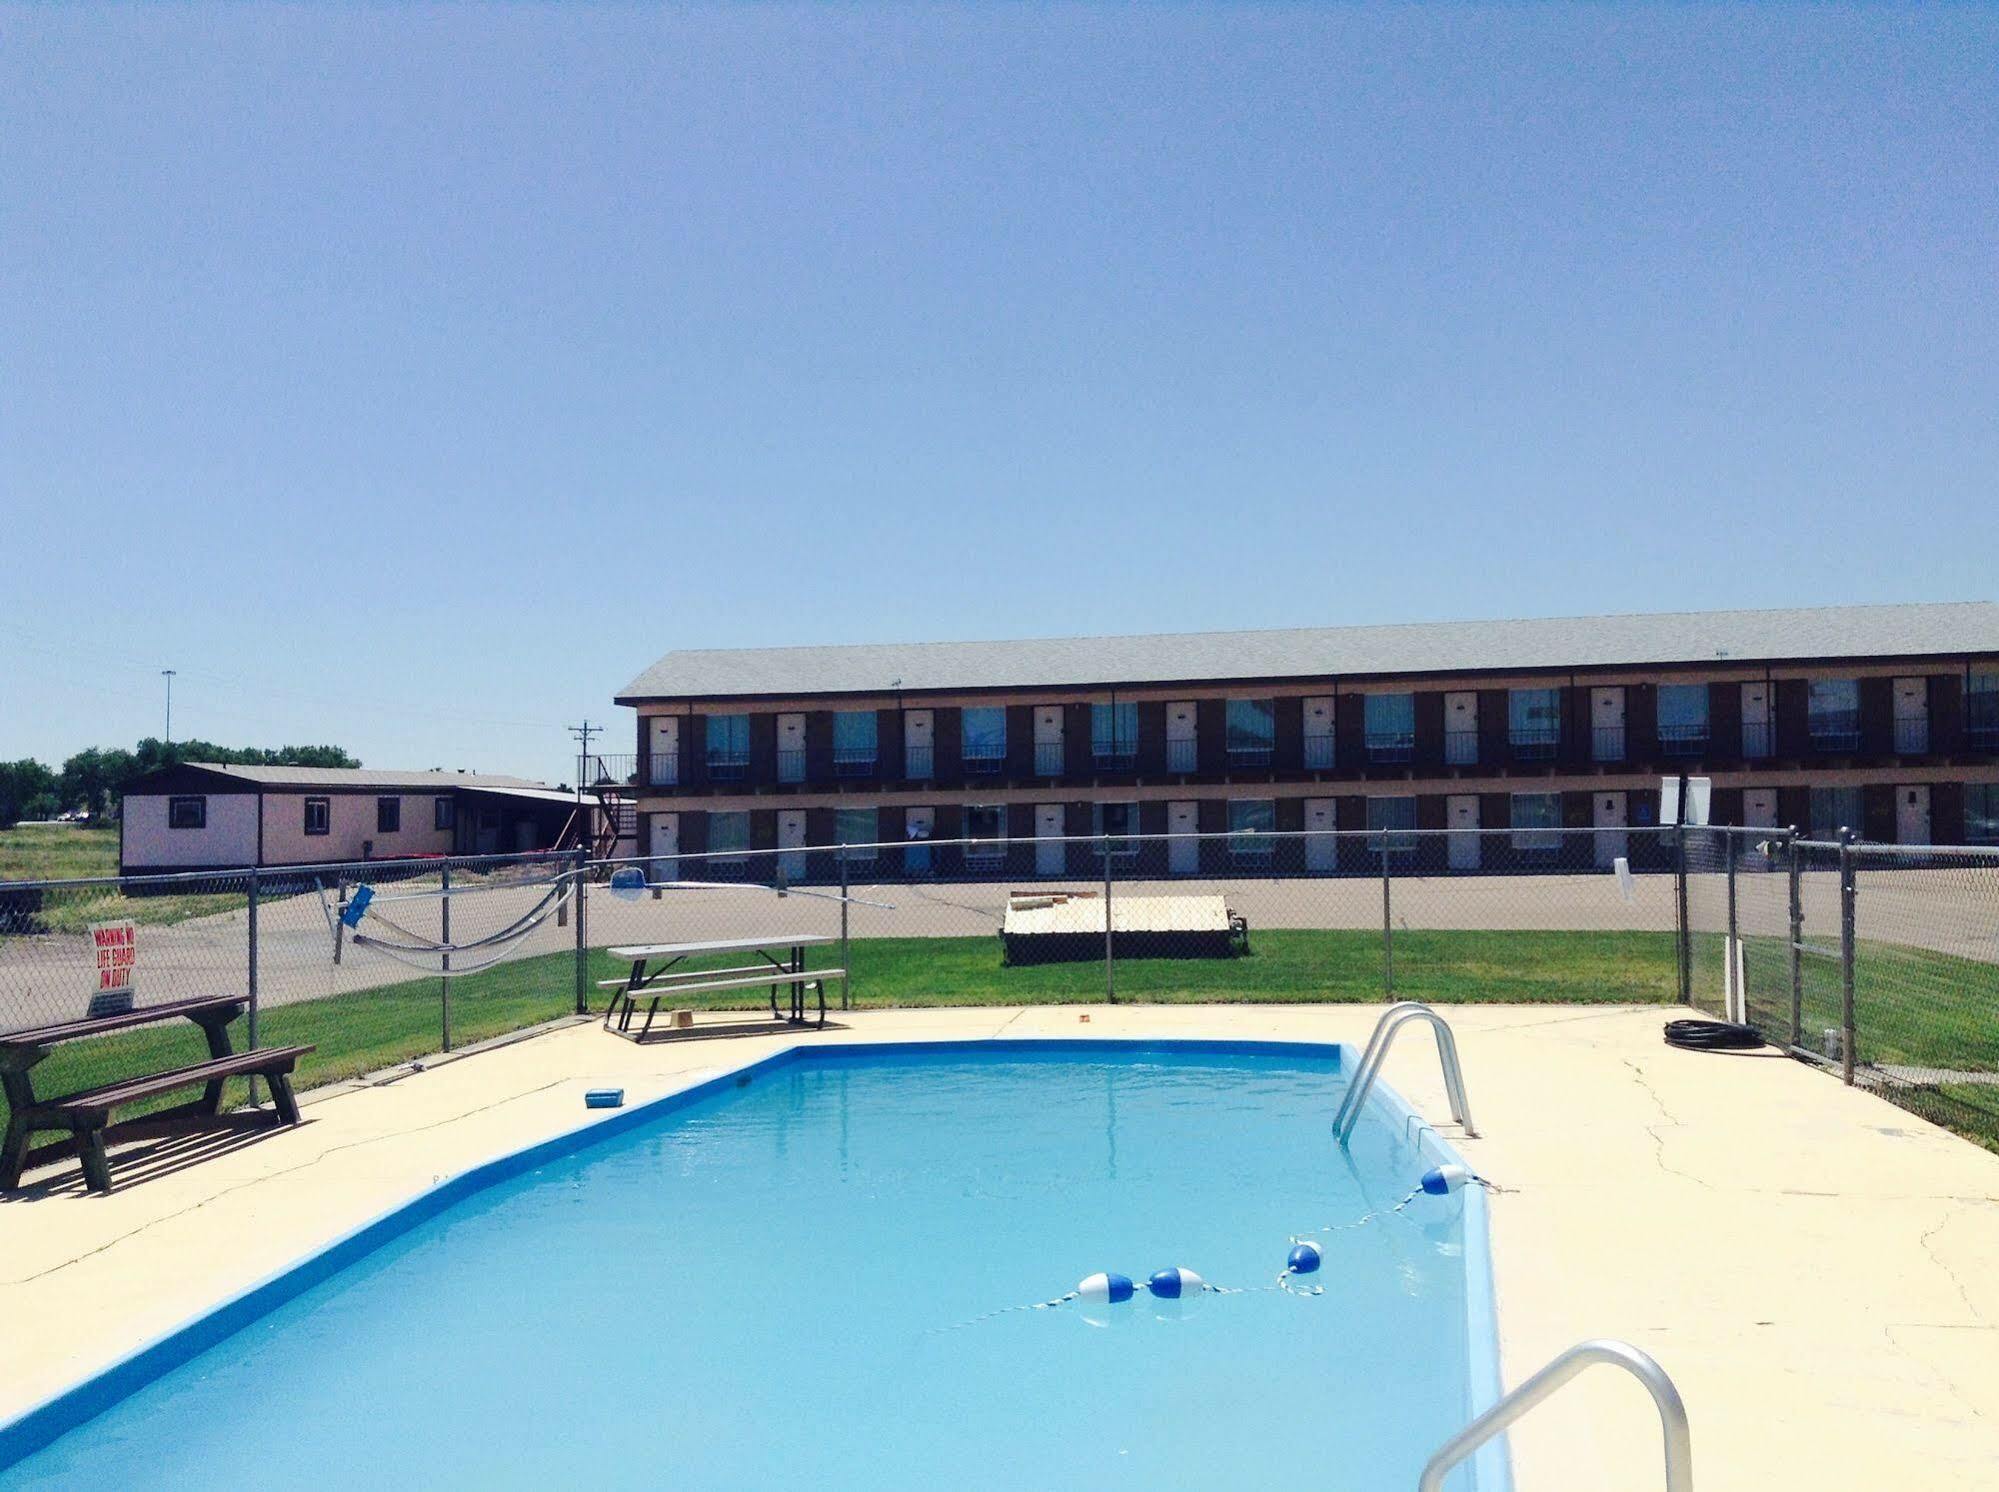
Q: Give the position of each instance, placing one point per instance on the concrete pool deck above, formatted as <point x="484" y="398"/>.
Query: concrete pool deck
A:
<point x="1812" y="1265"/>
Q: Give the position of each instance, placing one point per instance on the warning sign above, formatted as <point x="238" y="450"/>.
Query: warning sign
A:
<point x="116" y="945"/>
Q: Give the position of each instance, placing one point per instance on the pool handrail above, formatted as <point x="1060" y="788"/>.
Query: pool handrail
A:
<point x="1392" y="1020"/>
<point x="1566" y="1365"/>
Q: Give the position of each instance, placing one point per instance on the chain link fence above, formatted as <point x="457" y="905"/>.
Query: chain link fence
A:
<point x="1879" y="962"/>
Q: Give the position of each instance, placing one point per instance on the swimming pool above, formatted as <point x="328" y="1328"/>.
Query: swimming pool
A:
<point x="761" y="1281"/>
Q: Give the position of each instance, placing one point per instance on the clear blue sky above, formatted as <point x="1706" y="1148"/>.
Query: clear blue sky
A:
<point x="411" y="379"/>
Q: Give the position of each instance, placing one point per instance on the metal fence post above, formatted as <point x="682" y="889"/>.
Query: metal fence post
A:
<point x="1847" y="890"/>
<point x="251" y="936"/>
<point x="1387" y="928"/>
<point x="1737" y="963"/>
<point x="1797" y="944"/>
<point x="846" y="969"/>
<point x="582" y="947"/>
<point x="444" y="936"/>
<point x="1110" y="963"/>
<point x="1686" y="949"/>
<point x="339" y="915"/>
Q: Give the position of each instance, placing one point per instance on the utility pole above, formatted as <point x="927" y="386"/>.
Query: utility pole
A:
<point x="583" y="733"/>
<point x="168" y="675"/>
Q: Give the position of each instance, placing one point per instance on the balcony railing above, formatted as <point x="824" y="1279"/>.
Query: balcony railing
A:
<point x="1534" y="743"/>
<point x="853" y="761"/>
<point x="663" y="769"/>
<point x="1606" y="743"/>
<point x="1756" y="738"/>
<point x="1183" y="754"/>
<point x="1460" y="748"/>
<point x="791" y="765"/>
<point x="1912" y="736"/>
<point x="985" y="761"/>
<point x="985" y="851"/>
<point x="1248" y="755"/>
<point x="1048" y="758"/>
<point x="919" y="763"/>
<point x="1112" y="757"/>
<point x="1391" y="746"/>
<point x="727" y="768"/>
<point x="1682" y="740"/>
<point x="1835" y="730"/>
<point x="1983" y="735"/>
<point x="1319" y="753"/>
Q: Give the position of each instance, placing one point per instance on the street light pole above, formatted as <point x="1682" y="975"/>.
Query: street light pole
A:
<point x="168" y="675"/>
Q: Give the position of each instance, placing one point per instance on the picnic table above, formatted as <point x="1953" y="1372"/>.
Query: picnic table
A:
<point x="87" y="1114"/>
<point x="656" y="971"/>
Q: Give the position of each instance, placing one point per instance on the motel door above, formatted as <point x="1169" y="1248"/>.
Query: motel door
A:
<point x="1183" y="856"/>
<point x="1050" y="853"/>
<point x="664" y="847"/>
<point x="1610" y="814"/>
<point x="791" y="748"/>
<point x="1322" y="851"/>
<point x="1606" y="723"/>
<point x="1319" y="732"/>
<point x="1759" y="808"/>
<point x="1181" y="751"/>
<point x="1756" y="721"/>
<point x="1912" y="717"/>
<point x="917" y="726"/>
<point x="791" y="838"/>
<point x="1047" y="743"/>
<point x="1460" y="728"/>
<point x="1461" y="814"/>
<point x="665" y="750"/>
<point x="1912" y="815"/>
<point x="918" y="825"/>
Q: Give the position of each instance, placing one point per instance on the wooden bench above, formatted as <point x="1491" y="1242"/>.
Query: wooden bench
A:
<point x="86" y="1115"/>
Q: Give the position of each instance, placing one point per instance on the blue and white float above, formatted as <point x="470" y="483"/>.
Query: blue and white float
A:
<point x="1174" y="1284"/>
<point x="1114" y="1288"/>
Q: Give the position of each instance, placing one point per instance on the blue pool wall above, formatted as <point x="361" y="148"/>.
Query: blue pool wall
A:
<point x="68" y="1409"/>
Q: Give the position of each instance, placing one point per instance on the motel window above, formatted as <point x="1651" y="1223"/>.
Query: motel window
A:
<point x="1683" y="723"/>
<point x="1114" y="732"/>
<point x="1389" y="722"/>
<point x="1393" y="822"/>
<point x="1115" y="824"/>
<point x="388" y="815"/>
<point x="1981" y="708"/>
<point x="444" y="814"/>
<point x="1537" y="820"/>
<point x="1833" y="809"/>
<point x="856" y="831"/>
<point x="728" y="745"/>
<point x="854" y="740"/>
<point x="187" y="813"/>
<point x="1981" y="813"/>
<point x="728" y="834"/>
<point x="1835" y="713"/>
<point x="1534" y="721"/>
<point x="1251" y="823"/>
<point x="984" y="732"/>
<point x="985" y="826"/>
<point x="1252" y="731"/>
<point x="318" y="815"/>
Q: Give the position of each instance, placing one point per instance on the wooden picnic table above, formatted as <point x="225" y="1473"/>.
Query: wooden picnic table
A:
<point x="87" y="1114"/>
<point x="654" y="967"/>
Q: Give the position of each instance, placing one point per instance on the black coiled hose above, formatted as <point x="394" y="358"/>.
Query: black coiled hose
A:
<point x="1711" y="1036"/>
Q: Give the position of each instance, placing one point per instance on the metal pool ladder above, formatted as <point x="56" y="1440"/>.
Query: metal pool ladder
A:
<point x="1393" y="1020"/>
<point x="1640" y="1365"/>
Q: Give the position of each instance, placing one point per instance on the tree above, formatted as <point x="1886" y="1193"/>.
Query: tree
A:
<point x="27" y="789"/>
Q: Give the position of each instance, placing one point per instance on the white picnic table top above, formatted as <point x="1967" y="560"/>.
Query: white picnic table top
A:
<point x="721" y="945"/>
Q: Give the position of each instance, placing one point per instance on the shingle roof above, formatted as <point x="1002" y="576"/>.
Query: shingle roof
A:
<point x="368" y="777"/>
<point x="1946" y="628"/>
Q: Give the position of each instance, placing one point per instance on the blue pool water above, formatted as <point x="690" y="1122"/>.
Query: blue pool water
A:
<point x="747" y="1291"/>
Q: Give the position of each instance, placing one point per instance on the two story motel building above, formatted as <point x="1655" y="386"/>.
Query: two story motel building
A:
<point x="1882" y="719"/>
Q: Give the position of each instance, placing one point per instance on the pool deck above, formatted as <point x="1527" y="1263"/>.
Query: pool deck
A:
<point x="1813" y="1266"/>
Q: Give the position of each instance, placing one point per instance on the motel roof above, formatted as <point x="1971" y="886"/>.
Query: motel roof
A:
<point x="1942" y="629"/>
<point x="349" y="779"/>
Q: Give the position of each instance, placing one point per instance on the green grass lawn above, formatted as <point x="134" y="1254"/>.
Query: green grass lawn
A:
<point x="68" y="852"/>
